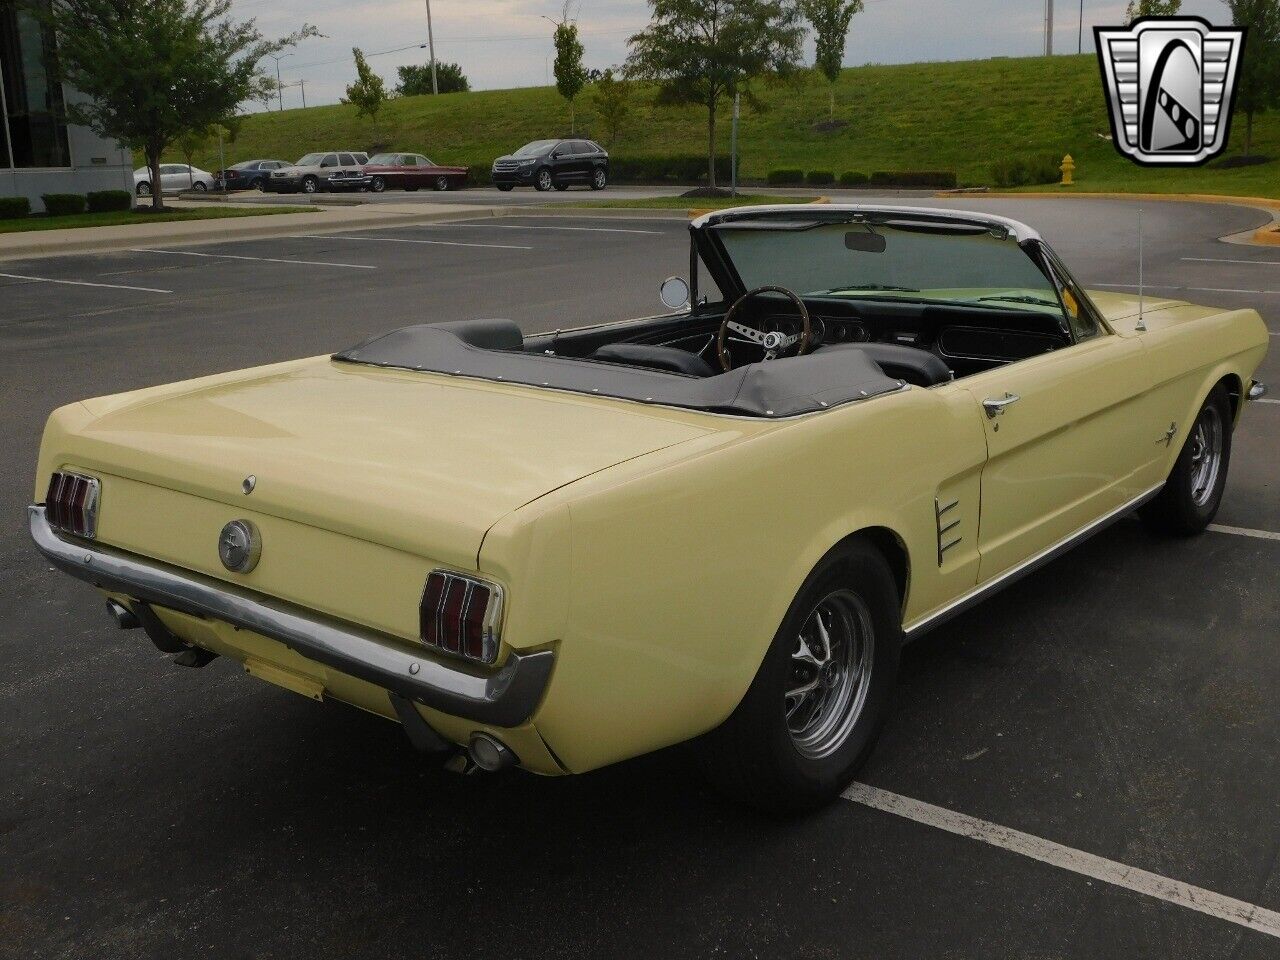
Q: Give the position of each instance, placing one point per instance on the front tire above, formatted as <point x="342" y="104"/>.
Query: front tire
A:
<point x="1192" y="494"/>
<point x="820" y="698"/>
<point x="543" y="181"/>
<point x="378" y="184"/>
<point x="504" y="187"/>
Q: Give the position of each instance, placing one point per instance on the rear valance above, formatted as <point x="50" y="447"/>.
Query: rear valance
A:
<point x="779" y="388"/>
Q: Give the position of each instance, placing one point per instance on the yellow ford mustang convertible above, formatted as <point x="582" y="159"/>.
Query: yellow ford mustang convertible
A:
<point x="564" y="550"/>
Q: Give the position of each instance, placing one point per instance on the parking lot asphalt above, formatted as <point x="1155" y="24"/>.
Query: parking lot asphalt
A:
<point x="1122" y="703"/>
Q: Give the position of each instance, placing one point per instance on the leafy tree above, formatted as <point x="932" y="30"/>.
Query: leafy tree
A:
<point x="416" y="79"/>
<point x="699" y="51"/>
<point x="367" y="94"/>
<point x="190" y="142"/>
<point x="571" y="76"/>
<point x="155" y="69"/>
<point x="830" y="21"/>
<point x="1258" y="86"/>
<point x="612" y="94"/>
<point x="1151" y="8"/>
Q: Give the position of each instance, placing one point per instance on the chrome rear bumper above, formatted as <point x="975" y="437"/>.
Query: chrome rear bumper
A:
<point x="505" y="698"/>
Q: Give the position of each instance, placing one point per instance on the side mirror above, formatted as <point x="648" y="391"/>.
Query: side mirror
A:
<point x="674" y="293"/>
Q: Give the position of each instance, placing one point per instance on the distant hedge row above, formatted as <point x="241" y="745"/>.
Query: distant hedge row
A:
<point x="923" y="179"/>
<point x="67" y="204"/>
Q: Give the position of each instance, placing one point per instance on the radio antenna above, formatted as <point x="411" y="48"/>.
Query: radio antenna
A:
<point x="1141" y="325"/>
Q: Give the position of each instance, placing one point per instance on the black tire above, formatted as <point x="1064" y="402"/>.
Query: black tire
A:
<point x="143" y="189"/>
<point x="378" y="184"/>
<point x="1191" y="496"/>
<point x="310" y="185"/>
<point x="561" y="187"/>
<point x="599" y="178"/>
<point x="441" y="183"/>
<point x="542" y="180"/>
<point x="256" y="184"/>
<point x="200" y="187"/>
<point x="504" y="187"/>
<point x="754" y="757"/>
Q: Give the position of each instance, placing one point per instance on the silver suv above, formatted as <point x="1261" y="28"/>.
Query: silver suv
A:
<point x="335" y="170"/>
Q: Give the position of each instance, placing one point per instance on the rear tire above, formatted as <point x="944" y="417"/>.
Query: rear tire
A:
<point x="144" y="189"/>
<point x="310" y="185"/>
<point x="1192" y="494"/>
<point x="441" y="184"/>
<point x="789" y="753"/>
<point x="200" y="186"/>
<point x="599" y="179"/>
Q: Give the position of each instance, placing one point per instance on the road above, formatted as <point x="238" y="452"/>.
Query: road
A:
<point x="1123" y="702"/>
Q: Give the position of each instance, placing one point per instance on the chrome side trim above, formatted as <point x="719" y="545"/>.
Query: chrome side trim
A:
<point x="1030" y="565"/>
<point x="1257" y="390"/>
<point x="506" y="697"/>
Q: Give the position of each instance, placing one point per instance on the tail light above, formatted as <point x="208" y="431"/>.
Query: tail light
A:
<point x="71" y="504"/>
<point x="461" y="615"/>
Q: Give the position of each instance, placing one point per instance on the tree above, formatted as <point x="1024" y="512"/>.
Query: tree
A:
<point x="367" y="94"/>
<point x="698" y="51"/>
<point x="1258" y="85"/>
<point x="571" y="76"/>
<point x="612" y="96"/>
<point x="189" y="143"/>
<point x="416" y="80"/>
<point x="1151" y="8"/>
<point x="830" y="21"/>
<point x="155" y="69"/>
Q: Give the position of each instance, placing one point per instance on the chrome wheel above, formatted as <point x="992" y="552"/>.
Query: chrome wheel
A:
<point x="544" y="180"/>
<point x="830" y="674"/>
<point x="1206" y="455"/>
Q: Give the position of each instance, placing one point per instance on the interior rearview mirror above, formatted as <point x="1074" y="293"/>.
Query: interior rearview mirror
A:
<point x="674" y="293"/>
<point x="864" y="242"/>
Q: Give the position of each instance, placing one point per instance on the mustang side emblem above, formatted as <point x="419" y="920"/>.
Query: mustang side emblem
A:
<point x="1170" y="85"/>
<point x="239" y="546"/>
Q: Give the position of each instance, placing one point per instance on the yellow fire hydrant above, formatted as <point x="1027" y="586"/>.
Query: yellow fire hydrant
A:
<point x="1068" y="169"/>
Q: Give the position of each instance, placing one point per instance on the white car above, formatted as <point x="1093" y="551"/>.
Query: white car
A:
<point x="173" y="178"/>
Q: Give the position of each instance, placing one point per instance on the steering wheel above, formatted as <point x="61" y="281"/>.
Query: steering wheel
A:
<point x="773" y="343"/>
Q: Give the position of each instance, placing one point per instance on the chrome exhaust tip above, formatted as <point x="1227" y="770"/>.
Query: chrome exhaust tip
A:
<point x="122" y="615"/>
<point x="489" y="753"/>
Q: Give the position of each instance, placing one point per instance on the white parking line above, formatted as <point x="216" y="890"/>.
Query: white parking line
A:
<point x="1067" y="858"/>
<point x="83" y="283"/>
<point x="1156" y="286"/>
<point x="440" y="243"/>
<point x="232" y="256"/>
<point x="1244" y="532"/>
<point x="516" y="226"/>
<point x="1265" y="399"/>
<point x="1261" y="263"/>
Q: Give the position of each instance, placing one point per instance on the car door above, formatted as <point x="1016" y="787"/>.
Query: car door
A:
<point x="414" y="173"/>
<point x="1066" y="441"/>
<point x="173" y="176"/>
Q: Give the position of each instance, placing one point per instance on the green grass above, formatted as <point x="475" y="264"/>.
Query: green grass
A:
<point x="42" y="221"/>
<point x="687" y="203"/>
<point x="952" y="116"/>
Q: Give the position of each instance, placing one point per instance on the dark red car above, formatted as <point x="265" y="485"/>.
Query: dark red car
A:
<point x="409" y="171"/>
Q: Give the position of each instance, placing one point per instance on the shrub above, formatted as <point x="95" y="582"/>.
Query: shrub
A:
<point x="852" y="179"/>
<point x="780" y="178"/>
<point x="819" y="178"/>
<point x="668" y="169"/>
<point x="921" y="179"/>
<point x="14" y="208"/>
<point x="1021" y="172"/>
<point x="63" y="204"/>
<point x="103" y="201"/>
<point x="479" y="173"/>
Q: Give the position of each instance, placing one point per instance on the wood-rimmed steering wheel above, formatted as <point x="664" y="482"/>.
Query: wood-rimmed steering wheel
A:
<point x="773" y="343"/>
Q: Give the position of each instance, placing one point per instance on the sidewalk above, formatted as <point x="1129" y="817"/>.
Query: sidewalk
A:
<point x="47" y="243"/>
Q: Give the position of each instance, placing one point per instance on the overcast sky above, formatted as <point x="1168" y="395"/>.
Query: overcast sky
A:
<point x="506" y="43"/>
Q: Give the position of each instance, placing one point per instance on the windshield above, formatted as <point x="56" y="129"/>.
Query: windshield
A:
<point x="908" y="262"/>
<point x="532" y="149"/>
<point x="310" y="160"/>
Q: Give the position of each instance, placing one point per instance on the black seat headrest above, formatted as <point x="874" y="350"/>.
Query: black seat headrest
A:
<point x="487" y="334"/>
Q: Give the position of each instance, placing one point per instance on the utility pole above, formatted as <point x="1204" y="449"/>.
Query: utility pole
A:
<point x="1048" y="28"/>
<point x="431" y="43"/>
<point x="303" y="85"/>
<point x="733" y="150"/>
<point x="1080" y="31"/>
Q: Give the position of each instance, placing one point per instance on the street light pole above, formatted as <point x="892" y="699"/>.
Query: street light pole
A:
<point x="1080" y="31"/>
<point x="279" y="85"/>
<point x="431" y="43"/>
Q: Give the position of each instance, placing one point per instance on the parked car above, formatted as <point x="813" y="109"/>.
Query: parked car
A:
<point x="332" y="170"/>
<point x="544" y="164"/>
<point x="409" y="171"/>
<point x="246" y="175"/>
<point x="567" y="549"/>
<point x="174" y="177"/>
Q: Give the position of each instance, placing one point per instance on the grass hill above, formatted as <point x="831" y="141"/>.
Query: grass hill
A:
<point x="961" y="116"/>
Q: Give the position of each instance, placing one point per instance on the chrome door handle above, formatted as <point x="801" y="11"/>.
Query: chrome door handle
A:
<point x="995" y="405"/>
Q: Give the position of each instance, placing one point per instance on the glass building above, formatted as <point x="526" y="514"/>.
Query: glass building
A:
<point x="40" y="152"/>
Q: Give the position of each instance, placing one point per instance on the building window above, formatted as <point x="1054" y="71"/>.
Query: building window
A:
<point x="34" y="114"/>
